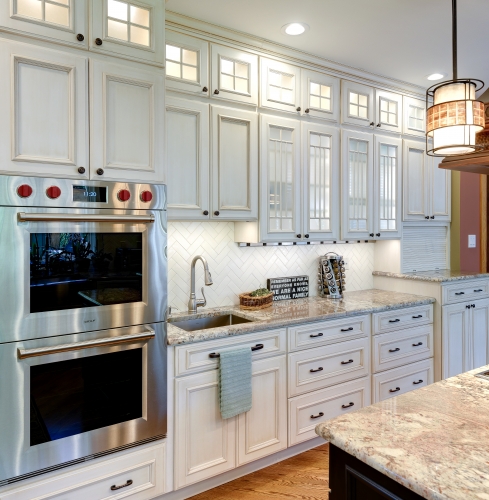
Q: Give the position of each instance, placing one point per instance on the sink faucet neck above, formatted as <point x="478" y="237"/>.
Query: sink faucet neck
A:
<point x="193" y="302"/>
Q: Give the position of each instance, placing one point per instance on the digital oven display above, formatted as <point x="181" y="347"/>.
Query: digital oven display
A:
<point x="90" y="194"/>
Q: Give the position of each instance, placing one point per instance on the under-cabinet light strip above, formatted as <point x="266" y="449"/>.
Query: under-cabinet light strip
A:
<point x="292" y="243"/>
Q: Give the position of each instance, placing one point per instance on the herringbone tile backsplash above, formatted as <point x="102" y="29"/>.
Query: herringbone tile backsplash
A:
<point x="236" y="270"/>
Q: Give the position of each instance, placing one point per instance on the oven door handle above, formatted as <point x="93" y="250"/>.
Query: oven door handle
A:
<point x="87" y="344"/>
<point x="116" y="219"/>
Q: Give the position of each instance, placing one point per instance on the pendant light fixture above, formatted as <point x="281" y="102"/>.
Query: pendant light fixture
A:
<point x="455" y="116"/>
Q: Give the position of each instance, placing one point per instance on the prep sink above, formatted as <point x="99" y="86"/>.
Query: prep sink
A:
<point x="191" y="325"/>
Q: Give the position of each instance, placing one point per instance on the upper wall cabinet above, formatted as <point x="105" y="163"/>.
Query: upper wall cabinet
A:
<point x="187" y="62"/>
<point x="414" y="116"/>
<point x="234" y="75"/>
<point x="388" y="111"/>
<point x="44" y="110"/>
<point x="62" y="21"/>
<point x="320" y="95"/>
<point x="280" y="86"/>
<point x="126" y="123"/>
<point x="133" y="29"/>
<point x="357" y="106"/>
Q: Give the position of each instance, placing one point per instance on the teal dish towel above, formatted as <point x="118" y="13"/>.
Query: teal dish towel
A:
<point x="235" y="381"/>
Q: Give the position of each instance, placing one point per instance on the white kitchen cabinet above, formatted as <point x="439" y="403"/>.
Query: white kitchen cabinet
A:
<point x="234" y="75"/>
<point x="44" y="110"/>
<point x="60" y="21"/>
<point x="280" y="86"/>
<point x="187" y="159"/>
<point x="187" y="64"/>
<point x="320" y="182"/>
<point x="357" y="104"/>
<point x="320" y="95"/>
<point x="388" y="111"/>
<point x="126" y="123"/>
<point x="465" y="336"/>
<point x="426" y="187"/>
<point x="414" y="111"/>
<point x="132" y="29"/>
<point x="280" y="170"/>
<point x="263" y="430"/>
<point x="234" y="170"/>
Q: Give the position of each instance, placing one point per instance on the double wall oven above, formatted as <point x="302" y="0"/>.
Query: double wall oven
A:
<point x="83" y="299"/>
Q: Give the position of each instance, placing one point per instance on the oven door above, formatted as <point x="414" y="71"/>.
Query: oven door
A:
<point x="84" y="395"/>
<point x="77" y="270"/>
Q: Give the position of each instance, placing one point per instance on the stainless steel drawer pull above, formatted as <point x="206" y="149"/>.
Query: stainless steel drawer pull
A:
<point x="317" y="335"/>
<point x="347" y="329"/>
<point x="257" y="347"/>
<point x="348" y="406"/>
<point x="418" y="344"/>
<point x="347" y="362"/>
<point x="420" y="381"/>
<point x="395" y="390"/>
<point x="320" y="414"/>
<point x="459" y="293"/>
<point x="125" y="485"/>
<point x="418" y="316"/>
<point x="395" y="350"/>
<point x="115" y="219"/>
<point x="480" y="290"/>
<point x="87" y="344"/>
<point x="394" y="320"/>
<point x="320" y="369"/>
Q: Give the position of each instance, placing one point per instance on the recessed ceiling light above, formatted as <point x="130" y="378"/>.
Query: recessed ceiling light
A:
<point x="435" y="76"/>
<point x="294" y="28"/>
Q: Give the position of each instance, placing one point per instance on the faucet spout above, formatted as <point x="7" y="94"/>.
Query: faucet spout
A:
<point x="193" y="302"/>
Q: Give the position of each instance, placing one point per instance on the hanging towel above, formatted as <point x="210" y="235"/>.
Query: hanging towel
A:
<point x="235" y="381"/>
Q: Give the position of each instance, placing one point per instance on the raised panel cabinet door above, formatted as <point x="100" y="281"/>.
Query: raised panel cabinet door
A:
<point x="414" y="111"/>
<point x="320" y="95"/>
<point x="388" y="111"/>
<point x="321" y="182"/>
<point x="234" y="75"/>
<point x="456" y="339"/>
<point x="417" y="181"/>
<point x="357" y="104"/>
<point x="60" y="21"/>
<point x="387" y="187"/>
<point x="263" y="430"/>
<point x="357" y="205"/>
<point x="280" y="182"/>
<point x="187" y="159"/>
<point x="186" y="64"/>
<point x="234" y="164"/>
<point x="280" y="86"/>
<point x="44" y="105"/>
<point x="205" y="444"/>
<point x="127" y="123"/>
<point x="479" y="332"/>
<point x="440" y="191"/>
<point x="131" y="29"/>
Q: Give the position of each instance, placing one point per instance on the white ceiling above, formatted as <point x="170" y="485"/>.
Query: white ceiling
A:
<point x="401" y="39"/>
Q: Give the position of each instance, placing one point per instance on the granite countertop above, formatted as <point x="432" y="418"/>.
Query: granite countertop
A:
<point x="439" y="276"/>
<point x="291" y="312"/>
<point x="433" y="440"/>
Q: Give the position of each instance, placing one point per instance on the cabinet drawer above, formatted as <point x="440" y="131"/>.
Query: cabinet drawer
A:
<point x="394" y="349"/>
<point x="402" y="318"/>
<point x="465" y="290"/>
<point x="309" y="410"/>
<point x="144" y="470"/>
<point x="329" y="365"/>
<point x="400" y="380"/>
<point x="328" y="332"/>
<point x="193" y="358"/>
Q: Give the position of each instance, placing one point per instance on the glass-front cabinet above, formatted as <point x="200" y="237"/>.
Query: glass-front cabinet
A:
<point x="320" y="95"/>
<point x="357" y="104"/>
<point x="388" y="111"/>
<point x="414" y="116"/>
<point x="280" y="86"/>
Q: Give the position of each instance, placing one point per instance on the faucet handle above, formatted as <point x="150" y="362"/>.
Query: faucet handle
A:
<point x="200" y="302"/>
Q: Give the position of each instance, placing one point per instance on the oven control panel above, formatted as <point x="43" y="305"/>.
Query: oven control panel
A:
<point x="48" y="192"/>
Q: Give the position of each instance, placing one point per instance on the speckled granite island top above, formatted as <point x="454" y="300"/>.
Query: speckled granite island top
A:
<point x="439" y="276"/>
<point x="291" y="312"/>
<point x="434" y="441"/>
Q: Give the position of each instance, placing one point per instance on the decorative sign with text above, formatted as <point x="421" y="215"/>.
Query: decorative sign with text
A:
<point x="292" y="287"/>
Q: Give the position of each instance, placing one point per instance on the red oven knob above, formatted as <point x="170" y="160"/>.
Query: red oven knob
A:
<point x="53" y="192"/>
<point x="146" y="196"/>
<point x="123" y="195"/>
<point x="24" y="191"/>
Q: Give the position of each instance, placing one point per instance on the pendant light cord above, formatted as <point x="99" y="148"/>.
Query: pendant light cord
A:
<point x="454" y="39"/>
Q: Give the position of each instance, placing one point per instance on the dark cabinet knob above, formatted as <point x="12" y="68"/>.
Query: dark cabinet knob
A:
<point x="298" y="109"/>
<point x="378" y="124"/>
<point x="306" y="236"/>
<point x="307" y="110"/>
<point x="205" y="89"/>
<point x="432" y="217"/>
<point x="371" y="235"/>
<point x="427" y="217"/>
<point x="81" y="170"/>
<point x="206" y="212"/>
<point x="473" y="305"/>
<point x="299" y="235"/>
<point x="372" y="124"/>
<point x="216" y="91"/>
<point x="378" y="235"/>
<point x="467" y="307"/>
<point x="80" y="37"/>
<point x="98" y="41"/>
<point x="216" y="213"/>
<point x="100" y="171"/>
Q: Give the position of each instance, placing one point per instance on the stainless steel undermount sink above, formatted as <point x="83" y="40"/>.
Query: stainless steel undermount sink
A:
<point x="191" y="325"/>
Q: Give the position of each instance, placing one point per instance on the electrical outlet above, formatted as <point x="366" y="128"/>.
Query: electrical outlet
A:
<point x="472" y="241"/>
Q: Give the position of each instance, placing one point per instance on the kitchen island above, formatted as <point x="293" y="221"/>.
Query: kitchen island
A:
<point x="431" y="443"/>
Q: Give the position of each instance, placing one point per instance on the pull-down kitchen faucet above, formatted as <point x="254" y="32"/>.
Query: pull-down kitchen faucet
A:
<point x="193" y="302"/>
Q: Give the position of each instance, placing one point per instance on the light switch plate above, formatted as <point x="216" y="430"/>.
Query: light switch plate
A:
<point x="472" y="241"/>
